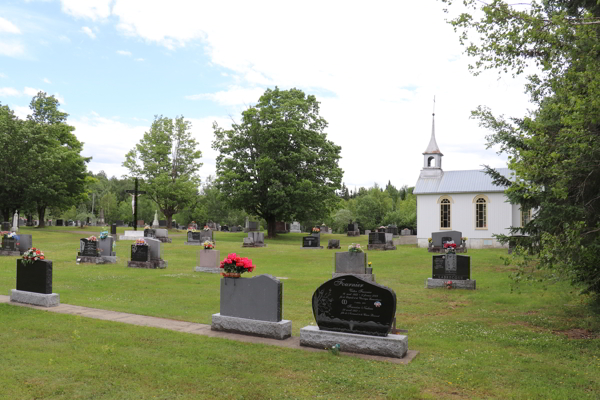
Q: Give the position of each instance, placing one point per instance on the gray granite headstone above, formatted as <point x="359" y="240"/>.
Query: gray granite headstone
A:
<point x="258" y="237"/>
<point x="439" y="238"/>
<point x="253" y="225"/>
<point x="106" y="245"/>
<point x="154" y="245"/>
<point x="161" y="232"/>
<point x="6" y="226"/>
<point x="248" y="241"/>
<point x="350" y="263"/>
<point x="333" y="244"/>
<point x="25" y="243"/>
<point x="206" y="235"/>
<point x="258" y="298"/>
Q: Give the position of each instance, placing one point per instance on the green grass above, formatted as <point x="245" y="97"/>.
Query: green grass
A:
<point x="479" y="344"/>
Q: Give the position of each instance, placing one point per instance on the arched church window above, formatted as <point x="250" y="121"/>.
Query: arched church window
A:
<point x="431" y="162"/>
<point x="445" y="214"/>
<point x="481" y="213"/>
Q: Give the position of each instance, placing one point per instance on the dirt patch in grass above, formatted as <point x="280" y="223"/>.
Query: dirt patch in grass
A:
<point x="577" y="333"/>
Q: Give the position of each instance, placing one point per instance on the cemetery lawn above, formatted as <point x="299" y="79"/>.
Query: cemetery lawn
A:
<point x="543" y="342"/>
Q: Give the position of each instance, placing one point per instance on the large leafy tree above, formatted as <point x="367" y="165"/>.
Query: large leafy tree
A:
<point x="277" y="162"/>
<point x="56" y="170"/>
<point x="12" y="168"/>
<point x="166" y="158"/>
<point x="554" y="150"/>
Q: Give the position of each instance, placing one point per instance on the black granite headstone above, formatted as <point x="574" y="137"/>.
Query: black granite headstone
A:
<point x="310" y="241"/>
<point x="59" y="222"/>
<point x="162" y="222"/>
<point x="88" y="248"/>
<point x="140" y="253"/>
<point x="113" y="229"/>
<point x="377" y="238"/>
<point x="35" y="277"/>
<point x="451" y="266"/>
<point x="352" y="305"/>
<point x="151" y="233"/>
<point x="193" y="236"/>
<point x="9" y="244"/>
<point x="224" y="228"/>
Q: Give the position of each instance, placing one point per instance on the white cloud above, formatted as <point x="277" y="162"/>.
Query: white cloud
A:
<point x="91" y="9"/>
<point x="8" y="27"/>
<point x="124" y="53"/>
<point x="11" y="49"/>
<point x="8" y="91"/>
<point x="60" y="99"/>
<point x="88" y="32"/>
<point x="21" y="111"/>
<point x="46" y="80"/>
<point x="139" y="59"/>
<point x="235" y="95"/>
<point x="31" y="91"/>
<point x="64" y="38"/>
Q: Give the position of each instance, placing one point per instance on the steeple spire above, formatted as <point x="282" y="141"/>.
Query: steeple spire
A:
<point x="433" y="147"/>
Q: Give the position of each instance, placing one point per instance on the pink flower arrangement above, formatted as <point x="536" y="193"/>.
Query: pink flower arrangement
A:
<point x="92" y="239"/>
<point x="448" y="284"/>
<point x="234" y="264"/>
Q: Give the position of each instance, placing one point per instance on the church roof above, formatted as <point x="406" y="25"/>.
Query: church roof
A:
<point x="473" y="181"/>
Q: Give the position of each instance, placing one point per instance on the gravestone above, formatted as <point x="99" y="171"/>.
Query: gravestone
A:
<point x="333" y="244"/>
<point x="357" y="315"/>
<point x="119" y="223"/>
<point x="353" y="229"/>
<point x="295" y="227"/>
<point x="451" y="267"/>
<point x="208" y="261"/>
<point x="367" y="231"/>
<point x="206" y="235"/>
<point x="439" y="238"/>
<point x="59" y="222"/>
<point x="140" y="253"/>
<point x="10" y="247"/>
<point x="149" y="233"/>
<point x="224" y="228"/>
<point x="252" y="226"/>
<point x="350" y="304"/>
<point x="258" y="240"/>
<point x="162" y="235"/>
<point x="25" y="243"/>
<point x="140" y="222"/>
<point x="162" y="223"/>
<point x="88" y="248"/>
<point x="393" y="229"/>
<point x="356" y="264"/>
<point x="153" y="249"/>
<point x="381" y="241"/>
<point x="113" y="229"/>
<point x="324" y="229"/>
<point x="6" y="226"/>
<point x="280" y="227"/>
<point x="194" y="238"/>
<point x="311" y="242"/>
<point x="34" y="284"/>
<point x="252" y="306"/>
<point x="405" y="232"/>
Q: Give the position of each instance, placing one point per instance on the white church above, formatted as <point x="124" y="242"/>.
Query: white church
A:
<point x="465" y="201"/>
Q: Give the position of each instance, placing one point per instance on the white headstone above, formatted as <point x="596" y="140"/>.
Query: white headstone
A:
<point x="155" y="222"/>
<point x="15" y="224"/>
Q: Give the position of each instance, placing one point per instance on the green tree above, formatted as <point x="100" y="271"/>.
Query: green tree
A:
<point x="372" y="207"/>
<point x="56" y="169"/>
<point x="166" y="158"/>
<point x="12" y="168"/>
<point x="277" y="163"/>
<point x="555" y="149"/>
<point x="108" y="202"/>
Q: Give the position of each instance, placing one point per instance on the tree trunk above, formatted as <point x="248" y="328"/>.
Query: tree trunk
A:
<point x="41" y="213"/>
<point x="271" y="223"/>
<point x="169" y="220"/>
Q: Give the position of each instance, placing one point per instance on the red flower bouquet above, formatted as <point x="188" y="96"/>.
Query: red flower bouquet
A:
<point x="234" y="265"/>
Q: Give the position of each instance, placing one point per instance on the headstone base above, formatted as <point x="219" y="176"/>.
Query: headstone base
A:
<point x="207" y="269"/>
<point x="110" y="259"/>
<point x="10" y="253"/>
<point x="366" y="277"/>
<point x="254" y="245"/>
<point x="311" y="248"/>
<point x="37" y="299"/>
<point x="194" y="243"/>
<point x="132" y="235"/>
<point x="456" y="283"/>
<point x="275" y="330"/>
<point x="387" y="246"/>
<point x="89" y="260"/>
<point x="441" y="250"/>
<point x="152" y="264"/>
<point x="353" y="233"/>
<point x="394" y="346"/>
<point x="165" y="239"/>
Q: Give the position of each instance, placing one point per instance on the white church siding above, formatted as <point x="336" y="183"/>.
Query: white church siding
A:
<point x="463" y="217"/>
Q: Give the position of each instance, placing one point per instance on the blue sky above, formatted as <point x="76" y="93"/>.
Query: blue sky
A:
<point x="375" y="67"/>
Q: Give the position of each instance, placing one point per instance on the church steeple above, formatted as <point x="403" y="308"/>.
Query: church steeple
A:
<point x="432" y="160"/>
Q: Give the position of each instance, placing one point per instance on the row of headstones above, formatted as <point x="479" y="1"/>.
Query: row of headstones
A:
<point x="14" y="246"/>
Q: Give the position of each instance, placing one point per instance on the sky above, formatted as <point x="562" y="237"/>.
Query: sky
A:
<point x="375" y="67"/>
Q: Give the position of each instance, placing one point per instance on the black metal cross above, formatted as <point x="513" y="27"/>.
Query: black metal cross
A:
<point x="135" y="193"/>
